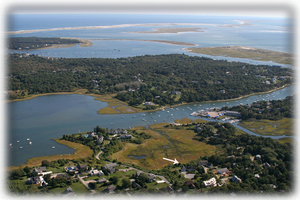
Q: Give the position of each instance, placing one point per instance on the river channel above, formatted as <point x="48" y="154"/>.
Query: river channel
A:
<point x="46" y="117"/>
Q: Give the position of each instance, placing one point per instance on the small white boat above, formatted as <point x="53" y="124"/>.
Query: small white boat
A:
<point x="53" y="147"/>
<point x="21" y="147"/>
<point x="30" y="143"/>
<point x="27" y="139"/>
<point x="18" y="141"/>
<point x="10" y="144"/>
<point x="133" y="117"/>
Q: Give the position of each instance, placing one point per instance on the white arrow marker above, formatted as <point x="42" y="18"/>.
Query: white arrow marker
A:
<point x="175" y="161"/>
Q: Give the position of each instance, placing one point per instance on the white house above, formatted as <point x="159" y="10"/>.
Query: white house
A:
<point x="210" y="182"/>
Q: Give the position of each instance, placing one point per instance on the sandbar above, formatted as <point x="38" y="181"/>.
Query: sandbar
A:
<point x="171" y="30"/>
<point x="100" y="27"/>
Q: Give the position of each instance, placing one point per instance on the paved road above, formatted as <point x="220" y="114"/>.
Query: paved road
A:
<point x="86" y="184"/>
<point x="97" y="156"/>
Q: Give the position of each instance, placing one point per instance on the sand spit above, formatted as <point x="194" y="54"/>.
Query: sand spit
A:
<point x="101" y="27"/>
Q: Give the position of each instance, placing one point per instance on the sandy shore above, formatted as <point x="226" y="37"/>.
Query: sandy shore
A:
<point x="99" y="27"/>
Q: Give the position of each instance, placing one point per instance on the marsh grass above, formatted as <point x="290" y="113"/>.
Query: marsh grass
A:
<point x="181" y="146"/>
<point x="267" y="127"/>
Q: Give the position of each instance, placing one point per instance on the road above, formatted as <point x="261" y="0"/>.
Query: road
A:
<point x="97" y="156"/>
<point x="86" y="184"/>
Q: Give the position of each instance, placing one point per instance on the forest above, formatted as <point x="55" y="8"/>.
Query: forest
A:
<point x="161" y="79"/>
<point x="29" y="43"/>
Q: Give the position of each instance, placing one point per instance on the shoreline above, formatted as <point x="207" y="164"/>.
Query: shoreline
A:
<point x="98" y="97"/>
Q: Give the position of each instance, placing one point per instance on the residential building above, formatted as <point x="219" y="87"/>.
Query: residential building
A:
<point x="110" y="189"/>
<point x="125" y="136"/>
<point x="223" y="171"/>
<point x="39" y="170"/>
<point x="190" y="184"/>
<point x="110" y="167"/>
<point x="96" y="172"/>
<point x="83" y="167"/>
<point x="234" y="178"/>
<point x="210" y="182"/>
<point x="188" y="168"/>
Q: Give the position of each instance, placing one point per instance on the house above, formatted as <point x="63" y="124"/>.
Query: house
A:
<point x="37" y="180"/>
<point x="188" y="168"/>
<point x="110" y="189"/>
<point x="93" y="134"/>
<point x="149" y="103"/>
<point x="115" y="131"/>
<point x="176" y="92"/>
<point x="234" y="178"/>
<point x="232" y="113"/>
<point x="267" y="82"/>
<point x="125" y="136"/>
<point x="151" y="178"/>
<point x="102" y="180"/>
<point x="257" y="157"/>
<point x="39" y="170"/>
<point x="205" y="163"/>
<point x="83" y="167"/>
<point x="69" y="192"/>
<point x="96" y="172"/>
<point x="222" y="171"/>
<point x="210" y="182"/>
<point x="222" y="91"/>
<point x="190" y="184"/>
<point x="110" y="167"/>
<point x="100" y="139"/>
<point x="267" y="165"/>
<point x="135" y="185"/>
<point x="256" y="176"/>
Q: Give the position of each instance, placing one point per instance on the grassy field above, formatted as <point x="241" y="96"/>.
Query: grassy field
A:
<point x="270" y="127"/>
<point x="246" y="52"/>
<point x="81" y="151"/>
<point x="165" y="142"/>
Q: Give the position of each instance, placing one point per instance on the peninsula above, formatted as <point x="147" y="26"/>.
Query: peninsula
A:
<point x="246" y="52"/>
<point x="170" y="30"/>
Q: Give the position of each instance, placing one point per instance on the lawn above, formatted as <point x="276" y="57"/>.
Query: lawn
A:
<point x="168" y="143"/>
<point x="270" y="127"/>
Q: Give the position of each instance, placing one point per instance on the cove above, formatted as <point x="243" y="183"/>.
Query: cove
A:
<point x="52" y="116"/>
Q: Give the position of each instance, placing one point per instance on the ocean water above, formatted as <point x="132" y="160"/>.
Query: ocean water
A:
<point x="264" y="32"/>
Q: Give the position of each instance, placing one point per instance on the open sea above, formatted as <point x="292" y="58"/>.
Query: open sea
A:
<point x="52" y="116"/>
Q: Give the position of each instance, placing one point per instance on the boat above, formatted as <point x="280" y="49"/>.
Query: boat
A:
<point x="53" y="147"/>
<point x="27" y="139"/>
<point x="133" y="116"/>
<point x="21" y="147"/>
<point x="18" y="141"/>
<point x="30" y="143"/>
<point x="10" y="144"/>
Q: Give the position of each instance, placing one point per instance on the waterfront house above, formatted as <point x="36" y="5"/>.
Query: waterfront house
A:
<point x="100" y="139"/>
<point x="125" y="136"/>
<point x="96" y="172"/>
<point x="39" y="170"/>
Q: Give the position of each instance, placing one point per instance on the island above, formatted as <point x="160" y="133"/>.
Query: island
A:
<point x="246" y="52"/>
